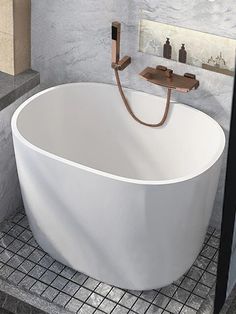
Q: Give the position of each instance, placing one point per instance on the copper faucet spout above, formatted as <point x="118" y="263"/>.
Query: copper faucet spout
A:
<point x="165" y="77"/>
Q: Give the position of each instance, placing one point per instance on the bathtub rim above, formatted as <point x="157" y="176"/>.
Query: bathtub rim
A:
<point x="41" y="151"/>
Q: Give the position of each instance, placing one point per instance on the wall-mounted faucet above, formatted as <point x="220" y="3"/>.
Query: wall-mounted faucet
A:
<point x="160" y="76"/>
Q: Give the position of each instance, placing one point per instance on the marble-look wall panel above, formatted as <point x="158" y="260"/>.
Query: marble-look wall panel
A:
<point x="71" y="42"/>
<point x="10" y="195"/>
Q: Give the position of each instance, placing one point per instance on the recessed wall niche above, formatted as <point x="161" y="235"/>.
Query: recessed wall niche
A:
<point x="184" y="45"/>
<point x="15" y="20"/>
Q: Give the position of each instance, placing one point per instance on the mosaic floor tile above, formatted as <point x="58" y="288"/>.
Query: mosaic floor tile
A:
<point x="24" y="264"/>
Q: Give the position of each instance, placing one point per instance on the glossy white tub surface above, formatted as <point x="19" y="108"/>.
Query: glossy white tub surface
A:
<point x="123" y="203"/>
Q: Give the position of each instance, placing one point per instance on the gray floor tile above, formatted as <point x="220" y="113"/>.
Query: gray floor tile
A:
<point x="215" y="242"/>
<point x="15" y="261"/>
<point x="107" y="306"/>
<point x="24" y="222"/>
<point x="50" y="293"/>
<point x="68" y="272"/>
<point x="178" y="282"/>
<point x="15" y="246"/>
<point x="26" y="266"/>
<point x="25" y="236"/>
<point x="6" y="240"/>
<point x="38" y="287"/>
<point x="46" y="261"/>
<point x="7" y="226"/>
<point x="16" y="231"/>
<point x="188" y="310"/>
<point x="188" y="284"/>
<point x="91" y="283"/>
<point x="119" y="309"/>
<point x="71" y="288"/>
<point x="201" y="290"/>
<point x="217" y="233"/>
<point x="140" y="306"/>
<point x="174" y="307"/>
<point x="208" y="252"/>
<point x="195" y="302"/>
<point x="62" y="299"/>
<point x="6" y="271"/>
<point x="86" y="309"/>
<point x="169" y="290"/>
<point x="73" y="305"/>
<point x="149" y="295"/>
<point x="95" y="299"/>
<point x="103" y="289"/>
<point x="16" y="277"/>
<point x="181" y="295"/>
<point x="33" y="243"/>
<point x="135" y="292"/>
<point x="27" y="282"/>
<point x="153" y="309"/>
<point x="115" y="294"/>
<point x="161" y="300"/>
<point x="59" y="282"/>
<point x="37" y="272"/>
<point x="36" y="256"/>
<point x="99" y="312"/>
<point x="57" y="267"/>
<point x="83" y="294"/>
<point x="17" y="217"/>
<point x="212" y="268"/>
<point x="215" y="258"/>
<point x="48" y="277"/>
<point x="128" y="300"/>
<point x="195" y="273"/>
<point x="208" y="279"/>
<point x="202" y="262"/>
<point x="25" y="251"/>
<point x="5" y="256"/>
<point x="79" y="278"/>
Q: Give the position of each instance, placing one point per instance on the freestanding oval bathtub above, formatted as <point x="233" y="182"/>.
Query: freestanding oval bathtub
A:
<point x="126" y="204"/>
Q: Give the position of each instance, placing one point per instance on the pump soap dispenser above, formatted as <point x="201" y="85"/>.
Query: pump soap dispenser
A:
<point x="167" y="50"/>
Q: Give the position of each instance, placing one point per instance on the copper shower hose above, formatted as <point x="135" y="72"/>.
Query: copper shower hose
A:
<point x="128" y="107"/>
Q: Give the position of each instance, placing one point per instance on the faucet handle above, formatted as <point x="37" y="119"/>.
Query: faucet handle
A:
<point x="190" y="75"/>
<point x="193" y="77"/>
<point x="168" y="72"/>
<point x="161" y="67"/>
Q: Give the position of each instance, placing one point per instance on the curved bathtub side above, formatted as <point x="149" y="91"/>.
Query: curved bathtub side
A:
<point x="130" y="235"/>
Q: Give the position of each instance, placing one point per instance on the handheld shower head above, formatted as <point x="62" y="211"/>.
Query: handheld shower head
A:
<point x="116" y="29"/>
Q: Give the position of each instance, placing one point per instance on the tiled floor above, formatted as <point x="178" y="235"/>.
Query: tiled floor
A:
<point x="24" y="264"/>
<point x="11" y="305"/>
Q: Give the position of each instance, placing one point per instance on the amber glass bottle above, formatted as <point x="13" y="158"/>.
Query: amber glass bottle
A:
<point x="167" y="49"/>
<point x="182" y="54"/>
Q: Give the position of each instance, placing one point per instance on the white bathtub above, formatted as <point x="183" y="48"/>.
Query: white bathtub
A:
<point x="123" y="203"/>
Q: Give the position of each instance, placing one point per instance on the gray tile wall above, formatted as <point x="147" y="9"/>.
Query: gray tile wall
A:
<point x="71" y="42"/>
<point x="10" y="196"/>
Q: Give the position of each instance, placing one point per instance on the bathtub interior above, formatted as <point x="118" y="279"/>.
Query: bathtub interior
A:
<point x="88" y="124"/>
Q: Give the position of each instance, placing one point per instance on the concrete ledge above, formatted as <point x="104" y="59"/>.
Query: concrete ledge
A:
<point x="13" y="87"/>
